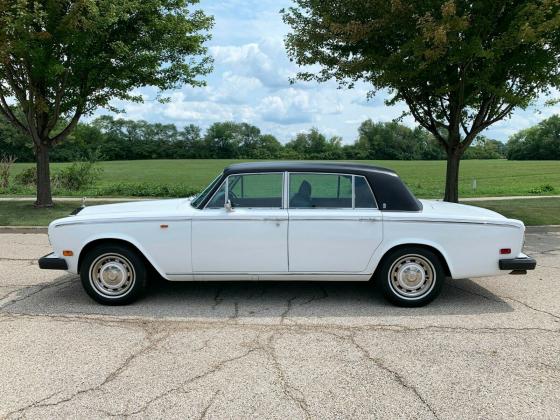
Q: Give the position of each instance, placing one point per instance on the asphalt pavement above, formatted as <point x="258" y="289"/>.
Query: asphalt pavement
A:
<point x="486" y="348"/>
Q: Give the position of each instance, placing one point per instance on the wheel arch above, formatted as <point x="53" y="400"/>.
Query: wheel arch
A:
<point x="117" y="241"/>
<point x="428" y="247"/>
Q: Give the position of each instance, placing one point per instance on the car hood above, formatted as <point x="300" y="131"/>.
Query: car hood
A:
<point x="442" y="210"/>
<point x="135" y="210"/>
<point x="150" y="206"/>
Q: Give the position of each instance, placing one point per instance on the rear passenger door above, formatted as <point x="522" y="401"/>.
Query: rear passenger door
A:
<point x="334" y="223"/>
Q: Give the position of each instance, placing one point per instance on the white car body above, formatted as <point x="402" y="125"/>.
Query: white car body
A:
<point x="184" y="243"/>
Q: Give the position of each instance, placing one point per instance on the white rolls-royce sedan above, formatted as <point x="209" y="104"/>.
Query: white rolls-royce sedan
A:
<point x="288" y="221"/>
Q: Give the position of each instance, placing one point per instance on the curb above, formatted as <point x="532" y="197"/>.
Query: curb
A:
<point x="542" y="228"/>
<point x="23" y="229"/>
<point x="506" y="198"/>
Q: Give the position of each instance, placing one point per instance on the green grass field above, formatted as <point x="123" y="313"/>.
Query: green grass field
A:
<point x="22" y="213"/>
<point x="425" y="178"/>
<point x="533" y="212"/>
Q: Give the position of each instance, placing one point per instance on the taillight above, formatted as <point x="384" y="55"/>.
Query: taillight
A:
<point x="505" y="251"/>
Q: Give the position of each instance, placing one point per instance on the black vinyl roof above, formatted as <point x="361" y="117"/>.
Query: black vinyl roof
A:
<point x="304" y="166"/>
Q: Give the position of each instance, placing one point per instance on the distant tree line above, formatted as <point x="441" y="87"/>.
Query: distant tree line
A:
<point x="118" y="139"/>
<point x="540" y="142"/>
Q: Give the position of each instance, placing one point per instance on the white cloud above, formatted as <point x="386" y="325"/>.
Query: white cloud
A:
<point x="235" y="89"/>
<point x="284" y="110"/>
<point x="250" y="60"/>
<point x="180" y="109"/>
<point x="250" y="83"/>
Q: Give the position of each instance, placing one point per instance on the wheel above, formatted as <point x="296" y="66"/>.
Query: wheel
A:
<point x="411" y="276"/>
<point x="113" y="274"/>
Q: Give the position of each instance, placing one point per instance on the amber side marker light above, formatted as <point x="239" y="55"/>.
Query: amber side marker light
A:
<point x="505" y="251"/>
<point x="67" y="253"/>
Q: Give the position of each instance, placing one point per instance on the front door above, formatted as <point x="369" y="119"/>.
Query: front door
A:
<point x="335" y="225"/>
<point x="250" y="237"/>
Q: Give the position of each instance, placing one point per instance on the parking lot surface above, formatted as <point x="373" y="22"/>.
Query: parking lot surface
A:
<point x="486" y="348"/>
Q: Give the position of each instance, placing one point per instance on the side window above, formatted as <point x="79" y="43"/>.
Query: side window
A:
<point x="364" y="196"/>
<point x="250" y="191"/>
<point x="219" y="198"/>
<point x="308" y="190"/>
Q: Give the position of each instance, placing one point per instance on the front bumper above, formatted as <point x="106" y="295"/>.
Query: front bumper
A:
<point x="52" y="262"/>
<point x="522" y="263"/>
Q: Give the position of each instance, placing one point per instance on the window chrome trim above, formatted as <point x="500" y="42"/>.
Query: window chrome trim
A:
<point x="285" y="186"/>
<point x="353" y="192"/>
<point x="226" y="181"/>
<point x="352" y="176"/>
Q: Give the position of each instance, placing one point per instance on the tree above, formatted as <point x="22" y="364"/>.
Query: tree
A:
<point x="387" y="140"/>
<point x="314" y="145"/>
<point x="540" y="142"/>
<point x="231" y="140"/>
<point x="485" y="148"/>
<point x="223" y="140"/>
<point x="14" y="143"/>
<point x="459" y="65"/>
<point x="62" y="59"/>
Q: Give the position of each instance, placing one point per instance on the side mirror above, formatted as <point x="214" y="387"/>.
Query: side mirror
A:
<point x="228" y="206"/>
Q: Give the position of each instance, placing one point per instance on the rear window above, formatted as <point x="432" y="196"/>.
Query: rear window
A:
<point x="328" y="191"/>
<point x="364" y="196"/>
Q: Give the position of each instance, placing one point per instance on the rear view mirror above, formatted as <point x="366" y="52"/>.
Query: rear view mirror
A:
<point x="228" y="206"/>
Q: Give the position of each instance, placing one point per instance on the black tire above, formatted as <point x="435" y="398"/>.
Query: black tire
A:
<point x="426" y="272"/>
<point x="125" y="278"/>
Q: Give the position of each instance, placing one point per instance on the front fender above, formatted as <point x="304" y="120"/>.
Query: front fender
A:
<point x="120" y="237"/>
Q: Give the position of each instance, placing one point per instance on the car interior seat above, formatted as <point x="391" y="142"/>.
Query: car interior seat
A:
<point x="303" y="196"/>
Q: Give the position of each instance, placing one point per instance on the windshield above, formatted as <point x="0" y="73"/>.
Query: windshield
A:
<point x="200" y="197"/>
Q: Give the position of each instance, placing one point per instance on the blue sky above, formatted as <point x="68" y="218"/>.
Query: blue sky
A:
<point x="250" y="83"/>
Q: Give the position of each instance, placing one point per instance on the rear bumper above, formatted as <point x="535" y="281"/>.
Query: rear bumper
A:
<point x="519" y="263"/>
<point x="52" y="262"/>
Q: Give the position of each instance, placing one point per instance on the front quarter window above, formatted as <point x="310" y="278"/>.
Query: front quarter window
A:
<point x="249" y="191"/>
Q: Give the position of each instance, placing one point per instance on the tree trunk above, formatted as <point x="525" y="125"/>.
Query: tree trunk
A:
<point x="44" y="196"/>
<point x="452" y="176"/>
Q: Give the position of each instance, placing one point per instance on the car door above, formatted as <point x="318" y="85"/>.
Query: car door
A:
<point x="249" y="236"/>
<point x="334" y="223"/>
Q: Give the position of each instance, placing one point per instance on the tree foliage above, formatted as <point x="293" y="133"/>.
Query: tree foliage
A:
<point x="459" y="65"/>
<point x="62" y="59"/>
<point x="540" y="142"/>
<point x="108" y="138"/>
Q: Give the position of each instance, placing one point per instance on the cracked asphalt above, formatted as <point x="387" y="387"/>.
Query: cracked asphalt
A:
<point x="487" y="348"/>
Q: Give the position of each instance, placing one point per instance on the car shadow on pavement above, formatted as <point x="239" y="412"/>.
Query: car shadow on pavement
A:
<point x="227" y="300"/>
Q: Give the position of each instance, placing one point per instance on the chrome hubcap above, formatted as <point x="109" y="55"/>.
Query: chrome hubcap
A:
<point x="412" y="276"/>
<point x="112" y="275"/>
